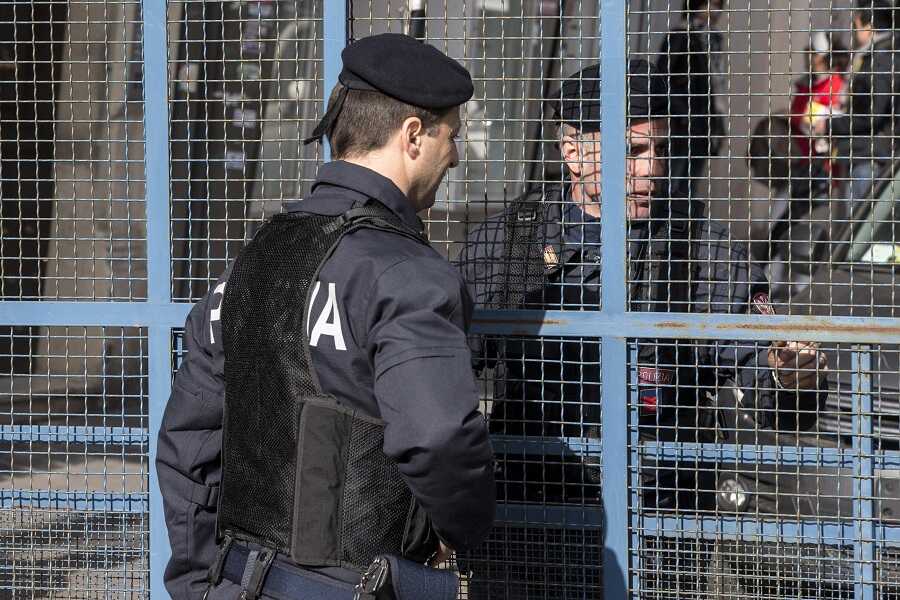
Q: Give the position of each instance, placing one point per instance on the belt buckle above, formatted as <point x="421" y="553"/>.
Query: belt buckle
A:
<point x="373" y="579"/>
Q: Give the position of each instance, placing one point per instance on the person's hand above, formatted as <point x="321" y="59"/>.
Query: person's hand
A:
<point x="797" y="365"/>
<point x="819" y="127"/>
<point x="443" y="554"/>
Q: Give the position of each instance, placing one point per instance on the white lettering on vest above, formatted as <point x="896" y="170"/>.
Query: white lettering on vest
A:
<point x="329" y="321"/>
<point x="312" y="300"/>
<point x="216" y="313"/>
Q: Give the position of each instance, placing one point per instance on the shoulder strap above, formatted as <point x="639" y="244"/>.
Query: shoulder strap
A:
<point x="375" y="215"/>
<point x="523" y="253"/>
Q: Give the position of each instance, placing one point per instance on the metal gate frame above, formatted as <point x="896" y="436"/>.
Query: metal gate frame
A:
<point x="159" y="315"/>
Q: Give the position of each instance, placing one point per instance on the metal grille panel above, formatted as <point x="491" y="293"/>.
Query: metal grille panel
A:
<point x="246" y="88"/>
<point x="766" y="237"/>
<point x="72" y="151"/>
<point x="74" y="466"/>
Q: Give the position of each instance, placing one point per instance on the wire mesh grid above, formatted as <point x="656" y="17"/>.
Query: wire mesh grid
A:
<point x="758" y="202"/>
<point x="759" y="496"/>
<point x="766" y="469"/>
<point x="711" y="230"/>
<point x="74" y="466"/>
<point x="541" y="397"/>
<point x="71" y="151"/>
<point x="779" y="133"/>
<point x="246" y="88"/>
<point x="518" y="52"/>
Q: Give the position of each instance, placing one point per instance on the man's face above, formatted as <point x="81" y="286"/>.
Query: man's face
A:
<point x="644" y="165"/>
<point x="439" y="154"/>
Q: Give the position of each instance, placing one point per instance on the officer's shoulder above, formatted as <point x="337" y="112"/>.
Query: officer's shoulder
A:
<point x="378" y="252"/>
<point x="486" y="238"/>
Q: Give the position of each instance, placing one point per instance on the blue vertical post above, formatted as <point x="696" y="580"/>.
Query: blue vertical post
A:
<point x="635" y="475"/>
<point x="336" y="27"/>
<point x="863" y="472"/>
<point x="613" y="294"/>
<point x="156" y="202"/>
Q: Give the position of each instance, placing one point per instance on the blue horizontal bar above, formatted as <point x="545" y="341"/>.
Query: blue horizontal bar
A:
<point x="116" y="314"/>
<point x="550" y="515"/>
<point x="510" y="322"/>
<point x="687" y="326"/>
<point x="805" y="531"/>
<point x="81" y="501"/>
<point x="569" y="446"/>
<point x="53" y="434"/>
<point x="806" y="456"/>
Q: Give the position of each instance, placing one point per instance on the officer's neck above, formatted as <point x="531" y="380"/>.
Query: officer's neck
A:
<point x="582" y="200"/>
<point x="384" y="165"/>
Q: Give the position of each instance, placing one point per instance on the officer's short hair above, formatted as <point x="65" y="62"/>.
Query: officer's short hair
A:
<point x="880" y="14"/>
<point x="369" y="118"/>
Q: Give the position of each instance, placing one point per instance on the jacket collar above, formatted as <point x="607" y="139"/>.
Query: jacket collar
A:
<point x="366" y="184"/>
<point x="554" y="233"/>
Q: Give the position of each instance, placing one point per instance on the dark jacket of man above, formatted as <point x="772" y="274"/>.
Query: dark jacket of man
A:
<point x="399" y="353"/>
<point x="551" y="387"/>
<point x="871" y="125"/>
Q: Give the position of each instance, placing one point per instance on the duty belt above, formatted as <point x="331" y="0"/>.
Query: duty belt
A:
<point x="386" y="577"/>
<point x="284" y="583"/>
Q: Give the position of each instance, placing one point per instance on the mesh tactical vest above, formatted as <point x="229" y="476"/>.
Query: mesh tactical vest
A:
<point x="301" y="473"/>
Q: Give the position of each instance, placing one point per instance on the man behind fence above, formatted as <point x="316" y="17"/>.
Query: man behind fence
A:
<point x="324" y="427"/>
<point x="544" y="253"/>
<point x="867" y="135"/>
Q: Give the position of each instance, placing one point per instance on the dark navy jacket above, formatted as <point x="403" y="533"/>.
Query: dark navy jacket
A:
<point x="870" y="129"/>
<point x="399" y="353"/>
<point x="551" y="386"/>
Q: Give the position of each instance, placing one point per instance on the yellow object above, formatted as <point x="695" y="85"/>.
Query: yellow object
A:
<point x="816" y="111"/>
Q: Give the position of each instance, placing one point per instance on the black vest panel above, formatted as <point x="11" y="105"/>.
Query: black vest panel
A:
<point x="301" y="473"/>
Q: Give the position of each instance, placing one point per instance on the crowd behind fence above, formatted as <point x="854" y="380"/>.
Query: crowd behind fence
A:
<point x="741" y="357"/>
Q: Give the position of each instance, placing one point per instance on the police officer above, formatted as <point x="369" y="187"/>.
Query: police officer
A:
<point x="325" y="413"/>
<point x="544" y="253"/>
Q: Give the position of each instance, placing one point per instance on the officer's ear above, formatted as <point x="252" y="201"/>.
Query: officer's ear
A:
<point x="411" y="133"/>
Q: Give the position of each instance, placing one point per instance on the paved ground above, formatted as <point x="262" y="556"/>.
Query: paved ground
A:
<point x="73" y="555"/>
<point x="67" y="554"/>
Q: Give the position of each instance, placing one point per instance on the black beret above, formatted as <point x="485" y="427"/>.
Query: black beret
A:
<point x="406" y="69"/>
<point x="577" y="102"/>
<point x="403" y="68"/>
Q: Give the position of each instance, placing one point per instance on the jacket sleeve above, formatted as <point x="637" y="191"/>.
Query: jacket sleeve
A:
<point x="871" y="98"/>
<point x="418" y="316"/>
<point x="740" y="286"/>
<point x="189" y="450"/>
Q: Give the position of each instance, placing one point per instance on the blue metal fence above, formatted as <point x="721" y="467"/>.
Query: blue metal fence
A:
<point x="626" y="527"/>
